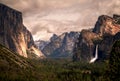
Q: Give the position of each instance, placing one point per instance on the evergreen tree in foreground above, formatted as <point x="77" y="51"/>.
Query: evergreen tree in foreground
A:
<point x="114" y="62"/>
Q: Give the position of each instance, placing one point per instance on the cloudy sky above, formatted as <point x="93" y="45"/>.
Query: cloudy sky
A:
<point x="45" y="17"/>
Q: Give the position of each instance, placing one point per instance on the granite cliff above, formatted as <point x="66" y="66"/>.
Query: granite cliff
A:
<point x="14" y="35"/>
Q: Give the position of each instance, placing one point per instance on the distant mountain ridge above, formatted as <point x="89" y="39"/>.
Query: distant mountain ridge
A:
<point x="61" y="46"/>
<point x="41" y="44"/>
<point x="14" y="35"/>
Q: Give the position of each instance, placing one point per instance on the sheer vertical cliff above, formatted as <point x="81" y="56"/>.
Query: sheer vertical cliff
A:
<point x="13" y="34"/>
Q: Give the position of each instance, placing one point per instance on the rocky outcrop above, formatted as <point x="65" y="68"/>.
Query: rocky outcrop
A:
<point x="102" y="35"/>
<point x="61" y="46"/>
<point x="106" y="25"/>
<point x="13" y="34"/>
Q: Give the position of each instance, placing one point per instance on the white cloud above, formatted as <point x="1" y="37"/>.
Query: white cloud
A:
<point x="45" y="17"/>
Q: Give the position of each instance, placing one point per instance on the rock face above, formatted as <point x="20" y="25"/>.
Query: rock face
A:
<point x="13" y="34"/>
<point x="61" y="46"/>
<point x="102" y="35"/>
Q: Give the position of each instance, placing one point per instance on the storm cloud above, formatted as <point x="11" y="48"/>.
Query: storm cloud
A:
<point x="45" y="17"/>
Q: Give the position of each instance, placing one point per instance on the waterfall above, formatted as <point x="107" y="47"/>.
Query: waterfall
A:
<point x="96" y="55"/>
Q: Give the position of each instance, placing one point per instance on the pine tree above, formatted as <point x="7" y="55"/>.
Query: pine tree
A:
<point x="114" y="62"/>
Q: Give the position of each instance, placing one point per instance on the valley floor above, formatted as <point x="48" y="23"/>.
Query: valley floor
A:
<point x="56" y="70"/>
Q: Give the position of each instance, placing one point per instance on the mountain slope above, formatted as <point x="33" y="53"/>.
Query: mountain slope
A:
<point x="13" y="34"/>
<point x="12" y="65"/>
<point x="9" y="59"/>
